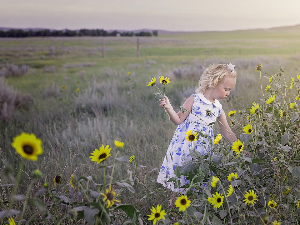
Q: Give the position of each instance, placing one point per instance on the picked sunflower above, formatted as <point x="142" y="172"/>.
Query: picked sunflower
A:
<point x="270" y="99"/>
<point x="152" y="82"/>
<point x="272" y="204"/>
<point x="217" y="200"/>
<point x="254" y="107"/>
<point x="101" y="154"/>
<point x="214" y="181"/>
<point x="231" y="176"/>
<point x="191" y="136"/>
<point x="157" y="214"/>
<point x="164" y="80"/>
<point x="250" y="197"/>
<point x="109" y="197"/>
<point x="28" y="146"/>
<point x="237" y="146"/>
<point x="248" y="129"/>
<point x="119" y="144"/>
<point x="182" y="203"/>
<point x="229" y="191"/>
<point x="231" y="113"/>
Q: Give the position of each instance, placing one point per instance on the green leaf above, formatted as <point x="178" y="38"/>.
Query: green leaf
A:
<point x="296" y="172"/>
<point x="195" y="154"/>
<point x="223" y="213"/>
<point x="103" y="212"/>
<point x="284" y="139"/>
<point x="294" y="118"/>
<point x="187" y="167"/>
<point x="216" y="221"/>
<point x="128" y="186"/>
<point x="269" y="110"/>
<point x="89" y="214"/>
<point x="38" y="203"/>
<point x="130" y="211"/>
<point x="124" y="158"/>
<point x="245" y="138"/>
<point x="65" y="199"/>
<point x="94" y="194"/>
<point x="8" y="213"/>
<point x="216" y="159"/>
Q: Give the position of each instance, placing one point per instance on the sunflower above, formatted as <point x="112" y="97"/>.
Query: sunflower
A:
<point x="287" y="190"/>
<point x="77" y="90"/>
<point x="152" y="82"/>
<point x="109" y="197"/>
<point x="216" y="200"/>
<point x="119" y="144"/>
<point x="218" y="139"/>
<point x="254" y="108"/>
<point x="131" y="158"/>
<point x="164" y="80"/>
<point x="268" y="87"/>
<point x="272" y="204"/>
<point x="182" y="203"/>
<point x="72" y="181"/>
<point x="270" y="79"/>
<point x="276" y="222"/>
<point x="237" y="146"/>
<point x="292" y="105"/>
<point x="270" y="99"/>
<point x="128" y="73"/>
<point x="292" y="83"/>
<point x="101" y="154"/>
<point x="229" y="191"/>
<point x="297" y="203"/>
<point x="231" y="113"/>
<point x="298" y="76"/>
<point x="11" y="221"/>
<point x="258" y="67"/>
<point x="191" y="136"/>
<point x="28" y="146"/>
<point x="214" y="181"/>
<point x="297" y="97"/>
<point x="232" y="123"/>
<point x="231" y="176"/>
<point x="57" y="179"/>
<point x="157" y="214"/>
<point x="250" y="197"/>
<point x="280" y="113"/>
<point x="37" y="174"/>
<point x="63" y="87"/>
<point x="248" y="129"/>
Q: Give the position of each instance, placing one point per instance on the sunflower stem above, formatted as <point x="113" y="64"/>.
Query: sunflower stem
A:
<point x="25" y="203"/>
<point x="16" y="186"/>
<point x="227" y="203"/>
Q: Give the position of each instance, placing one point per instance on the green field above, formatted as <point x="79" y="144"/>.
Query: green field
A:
<point x="114" y="103"/>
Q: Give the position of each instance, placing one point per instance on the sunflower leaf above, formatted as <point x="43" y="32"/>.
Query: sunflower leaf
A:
<point x="296" y="172"/>
<point x="216" y="159"/>
<point x="216" y="221"/>
<point x="10" y="212"/>
<point x="130" y="211"/>
<point x="128" y="186"/>
<point x="124" y="158"/>
<point x="223" y="213"/>
<point x="89" y="214"/>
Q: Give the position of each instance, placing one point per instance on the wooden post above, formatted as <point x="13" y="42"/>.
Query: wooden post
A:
<point x="137" y="47"/>
<point x="103" y="48"/>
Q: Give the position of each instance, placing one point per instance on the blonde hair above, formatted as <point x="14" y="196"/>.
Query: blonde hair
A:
<point x="213" y="75"/>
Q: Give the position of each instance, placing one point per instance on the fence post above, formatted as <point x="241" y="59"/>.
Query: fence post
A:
<point x="137" y="47"/>
<point x="103" y="48"/>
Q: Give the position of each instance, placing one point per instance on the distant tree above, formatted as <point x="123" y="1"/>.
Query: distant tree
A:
<point x="155" y="33"/>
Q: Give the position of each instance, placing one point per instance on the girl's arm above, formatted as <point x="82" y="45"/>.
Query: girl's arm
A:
<point x="225" y="129"/>
<point x="177" y="118"/>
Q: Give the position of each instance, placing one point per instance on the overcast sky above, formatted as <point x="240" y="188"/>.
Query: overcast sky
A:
<point x="173" y="15"/>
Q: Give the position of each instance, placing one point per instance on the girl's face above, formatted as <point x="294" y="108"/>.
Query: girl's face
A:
<point x="222" y="90"/>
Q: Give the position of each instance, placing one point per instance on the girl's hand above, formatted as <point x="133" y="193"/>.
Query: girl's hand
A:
<point x="165" y="103"/>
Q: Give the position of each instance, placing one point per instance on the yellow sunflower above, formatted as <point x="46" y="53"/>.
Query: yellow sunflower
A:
<point x="217" y="200"/>
<point x="270" y="79"/>
<point x="292" y="105"/>
<point x="63" y="87"/>
<point x="229" y="191"/>
<point x="276" y="222"/>
<point x="77" y="90"/>
<point x="28" y="146"/>
<point x="128" y="73"/>
<point x="11" y="221"/>
<point x="182" y="203"/>
<point x="191" y="136"/>
<point x="232" y="123"/>
<point x="131" y="158"/>
<point x="258" y="67"/>
<point x="119" y="144"/>
<point x="250" y="197"/>
<point x="272" y="204"/>
<point x="157" y="214"/>
<point x="152" y="82"/>
<point x="297" y="97"/>
<point x="231" y="176"/>
<point x="231" y="113"/>
<point x="254" y="107"/>
<point x="101" y="154"/>
<point x="214" y="181"/>
<point x="270" y="99"/>
<point x="292" y="83"/>
<point x="280" y="113"/>
<point x="297" y="203"/>
<point x="218" y="139"/>
<point x="237" y="146"/>
<point x="109" y="197"/>
<point x="57" y="179"/>
<point x="298" y="76"/>
<point x="72" y="181"/>
<point x="248" y="129"/>
<point x="164" y="80"/>
<point x="268" y="87"/>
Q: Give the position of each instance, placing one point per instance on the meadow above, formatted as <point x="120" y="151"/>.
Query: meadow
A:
<point x="74" y="100"/>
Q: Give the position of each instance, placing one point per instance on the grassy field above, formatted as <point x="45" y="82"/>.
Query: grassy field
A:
<point x="114" y="103"/>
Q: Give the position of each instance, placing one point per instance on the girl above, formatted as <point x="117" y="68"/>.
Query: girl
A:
<point x="202" y="109"/>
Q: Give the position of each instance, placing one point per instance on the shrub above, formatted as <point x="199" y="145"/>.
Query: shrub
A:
<point x="11" y="70"/>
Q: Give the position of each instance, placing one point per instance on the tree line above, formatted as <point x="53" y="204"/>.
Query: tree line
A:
<point x="18" y="33"/>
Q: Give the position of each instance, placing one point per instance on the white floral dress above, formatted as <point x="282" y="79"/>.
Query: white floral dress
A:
<point x="201" y="117"/>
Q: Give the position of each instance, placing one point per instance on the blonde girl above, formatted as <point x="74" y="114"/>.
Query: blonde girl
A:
<point x="202" y="110"/>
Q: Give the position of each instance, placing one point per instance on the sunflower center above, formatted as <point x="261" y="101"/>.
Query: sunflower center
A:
<point x="164" y="82"/>
<point x="157" y="215"/>
<point x="192" y="137"/>
<point x="28" y="149"/>
<point x="183" y="202"/>
<point x="57" y="179"/>
<point x="272" y="205"/>
<point x="110" y="196"/>
<point x="250" y="198"/>
<point x="219" y="200"/>
<point x="250" y="130"/>
<point x="102" y="156"/>
<point x="240" y="147"/>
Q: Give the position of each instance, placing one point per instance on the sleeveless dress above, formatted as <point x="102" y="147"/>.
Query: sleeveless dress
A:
<point x="201" y="117"/>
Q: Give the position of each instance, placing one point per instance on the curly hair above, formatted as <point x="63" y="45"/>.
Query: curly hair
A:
<point x="213" y="75"/>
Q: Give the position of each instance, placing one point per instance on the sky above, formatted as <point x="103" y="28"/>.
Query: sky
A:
<point x="171" y="15"/>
